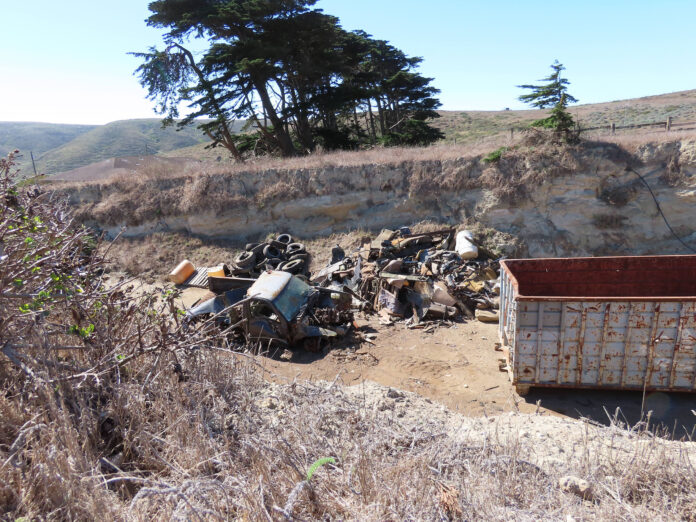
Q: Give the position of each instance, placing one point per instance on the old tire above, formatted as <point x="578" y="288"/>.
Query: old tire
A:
<point x="295" y="248"/>
<point x="256" y="248"/>
<point x="245" y="259"/>
<point x="303" y="255"/>
<point x="269" y="264"/>
<point x="295" y="266"/>
<point x="272" y="252"/>
<point x="286" y="239"/>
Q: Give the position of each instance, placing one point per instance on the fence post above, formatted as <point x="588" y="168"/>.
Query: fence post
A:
<point x="668" y="127"/>
<point x="512" y="132"/>
<point x="33" y="164"/>
<point x="613" y="128"/>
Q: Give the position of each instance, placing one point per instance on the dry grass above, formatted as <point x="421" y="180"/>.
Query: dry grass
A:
<point x="319" y="160"/>
<point x="152" y="257"/>
<point x="223" y="444"/>
<point x="632" y="141"/>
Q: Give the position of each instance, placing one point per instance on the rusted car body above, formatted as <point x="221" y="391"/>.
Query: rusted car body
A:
<point x="610" y="322"/>
<point x="276" y="308"/>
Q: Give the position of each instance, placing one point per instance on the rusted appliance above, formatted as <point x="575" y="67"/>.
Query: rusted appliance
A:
<point x="625" y="323"/>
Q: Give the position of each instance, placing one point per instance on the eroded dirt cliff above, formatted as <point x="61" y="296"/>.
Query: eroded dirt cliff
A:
<point x="558" y="199"/>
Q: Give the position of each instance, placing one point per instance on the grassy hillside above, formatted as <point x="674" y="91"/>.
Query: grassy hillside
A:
<point x="118" y="138"/>
<point x="58" y="148"/>
<point x="471" y="126"/>
<point x="467" y="126"/>
<point x="201" y="151"/>
<point x="37" y="138"/>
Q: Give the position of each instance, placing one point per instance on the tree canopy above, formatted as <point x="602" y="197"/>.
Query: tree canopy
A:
<point x="553" y="94"/>
<point x="291" y="71"/>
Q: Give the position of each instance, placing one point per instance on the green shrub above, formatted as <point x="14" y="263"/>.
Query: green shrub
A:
<point x="495" y="155"/>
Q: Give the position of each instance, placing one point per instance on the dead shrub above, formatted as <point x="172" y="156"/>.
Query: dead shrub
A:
<point x="520" y="171"/>
<point x="278" y="191"/>
<point x="672" y="175"/>
<point x="110" y="409"/>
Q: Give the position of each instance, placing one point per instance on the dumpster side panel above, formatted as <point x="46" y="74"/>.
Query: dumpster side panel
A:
<point x="595" y="344"/>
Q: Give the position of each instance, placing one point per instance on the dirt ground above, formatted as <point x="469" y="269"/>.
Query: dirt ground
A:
<point x="458" y="366"/>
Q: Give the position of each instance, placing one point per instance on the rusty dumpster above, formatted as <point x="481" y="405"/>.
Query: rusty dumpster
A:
<point x="625" y="323"/>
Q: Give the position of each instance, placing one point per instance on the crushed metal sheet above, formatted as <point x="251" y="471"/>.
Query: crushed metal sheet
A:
<point x="198" y="279"/>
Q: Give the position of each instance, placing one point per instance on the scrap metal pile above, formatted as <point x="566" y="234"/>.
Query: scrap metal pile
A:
<point x="267" y="296"/>
<point x="419" y="277"/>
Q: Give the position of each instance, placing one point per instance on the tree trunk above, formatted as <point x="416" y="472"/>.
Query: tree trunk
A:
<point x="302" y="126"/>
<point x="380" y="113"/>
<point x="279" y="129"/>
<point x="226" y="135"/>
<point x="263" y="128"/>
<point x="372" y="121"/>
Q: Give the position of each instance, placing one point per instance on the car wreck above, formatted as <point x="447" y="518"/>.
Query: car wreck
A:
<point x="280" y="309"/>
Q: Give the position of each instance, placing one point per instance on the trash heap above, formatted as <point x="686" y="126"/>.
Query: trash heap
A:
<point x="418" y="277"/>
<point x="266" y="296"/>
<point x="282" y="253"/>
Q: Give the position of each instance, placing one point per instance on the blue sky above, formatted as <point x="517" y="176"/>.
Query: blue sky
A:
<point x="66" y="62"/>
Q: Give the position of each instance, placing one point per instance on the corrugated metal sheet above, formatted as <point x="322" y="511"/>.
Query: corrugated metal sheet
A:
<point x="634" y="327"/>
<point x="199" y="278"/>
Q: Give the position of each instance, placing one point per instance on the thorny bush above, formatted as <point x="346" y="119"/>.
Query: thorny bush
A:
<point x="71" y="341"/>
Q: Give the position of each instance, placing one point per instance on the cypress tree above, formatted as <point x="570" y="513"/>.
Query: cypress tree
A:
<point x="291" y="71"/>
<point x="552" y="94"/>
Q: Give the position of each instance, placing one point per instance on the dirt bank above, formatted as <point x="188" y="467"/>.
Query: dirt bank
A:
<point x="559" y="200"/>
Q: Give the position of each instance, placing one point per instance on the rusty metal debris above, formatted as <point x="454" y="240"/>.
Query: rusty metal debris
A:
<point x="625" y="323"/>
<point x="267" y="295"/>
<point x="279" y="308"/>
<point x="415" y="277"/>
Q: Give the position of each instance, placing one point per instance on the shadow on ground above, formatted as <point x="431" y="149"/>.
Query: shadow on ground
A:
<point x="672" y="414"/>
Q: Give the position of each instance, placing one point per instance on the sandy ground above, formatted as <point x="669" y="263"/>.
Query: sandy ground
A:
<point x="457" y="366"/>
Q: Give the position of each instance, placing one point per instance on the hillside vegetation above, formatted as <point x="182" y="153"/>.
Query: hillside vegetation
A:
<point x="38" y="138"/>
<point x="119" y="138"/>
<point x="467" y="126"/>
<point x="58" y="147"/>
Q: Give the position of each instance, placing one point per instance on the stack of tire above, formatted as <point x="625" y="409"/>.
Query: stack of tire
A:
<point x="281" y="253"/>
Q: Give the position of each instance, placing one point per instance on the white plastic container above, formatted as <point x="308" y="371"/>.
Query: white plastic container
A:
<point x="464" y="245"/>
